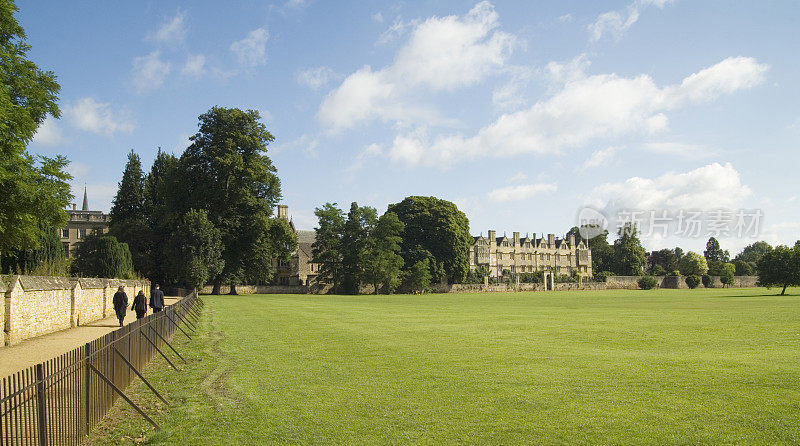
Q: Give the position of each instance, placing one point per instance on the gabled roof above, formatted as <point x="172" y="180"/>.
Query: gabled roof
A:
<point x="304" y="236"/>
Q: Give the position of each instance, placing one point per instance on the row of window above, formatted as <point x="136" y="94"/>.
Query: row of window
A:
<point x="65" y="233"/>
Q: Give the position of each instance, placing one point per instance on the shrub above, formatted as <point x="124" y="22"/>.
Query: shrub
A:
<point x="603" y="275"/>
<point x="708" y="282"/>
<point x="693" y="281"/>
<point x="658" y="270"/>
<point x="675" y="273"/>
<point x="648" y="282"/>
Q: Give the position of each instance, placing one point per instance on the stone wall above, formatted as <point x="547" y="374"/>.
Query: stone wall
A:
<point x="3" y="287"/>
<point x="673" y="282"/>
<point x="36" y="305"/>
<point x="258" y="289"/>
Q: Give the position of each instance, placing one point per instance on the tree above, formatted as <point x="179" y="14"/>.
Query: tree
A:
<point x="727" y="274"/>
<point x="327" y="247"/>
<point x="647" y="282"/>
<point x="418" y="277"/>
<point x="356" y="232"/>
<point x="602" y="252"/>
<point x="382" y="259"/>
<point x="47" y="259"/>
<point x="780" y="267"/>
<point x="102" y="256"/>
<point x="693" y="264"/>
<point x="227" y="172"/>
<point x="195" y="250"/>
<point x="162" y="212"/>
<point x="743" y="268"/>
<point x="753" y="252"/>
<point x="34" y="188"/>
<point x="714" y="253"/>
<point x="662" y="261"/>
<point x="128" y="220"/>
<point x="438" y="227"/>
<point x="629" y="255"/>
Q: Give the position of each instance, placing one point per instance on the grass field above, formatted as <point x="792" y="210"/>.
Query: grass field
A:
<point x="611" y="367"/>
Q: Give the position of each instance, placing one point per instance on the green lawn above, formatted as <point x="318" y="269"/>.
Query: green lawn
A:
<point x="664" y="366"/>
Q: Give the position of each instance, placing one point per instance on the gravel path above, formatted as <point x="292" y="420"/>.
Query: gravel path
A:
<point x="35" y="350"/>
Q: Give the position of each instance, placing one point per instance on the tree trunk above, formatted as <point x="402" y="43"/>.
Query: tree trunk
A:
<point x="217" y="289"/>
<point x="376" y="288"/>
<point x="233" y="289"/>
<point x="784" y="290"/>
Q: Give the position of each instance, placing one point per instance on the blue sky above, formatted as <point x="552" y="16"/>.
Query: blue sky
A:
<point x="522" y="113"/>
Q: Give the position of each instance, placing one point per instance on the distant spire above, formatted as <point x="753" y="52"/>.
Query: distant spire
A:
<point x="85" y="200"/>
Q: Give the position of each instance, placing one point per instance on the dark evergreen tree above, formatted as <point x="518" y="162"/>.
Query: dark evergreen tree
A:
<point x="162" y="213"/>
<point x="356" y="232"/>
<point x="194" y="253"/>
<point x="48" y="259"/>
<point x="714" y="253"/>
<point x="128" y="219"/>
<point x="383" y="262"/>
<point x="102" y="256"/>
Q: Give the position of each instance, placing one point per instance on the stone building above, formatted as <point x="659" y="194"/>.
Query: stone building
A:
<point x="80" y="223"/>
<point x="528" y="255"/>
<point x="298" y="270"/>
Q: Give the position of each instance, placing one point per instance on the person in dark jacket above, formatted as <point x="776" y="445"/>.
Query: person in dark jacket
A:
<point x="140" y="304"/>
<point x="120" y="302"/>
<point x="157" y="300"/>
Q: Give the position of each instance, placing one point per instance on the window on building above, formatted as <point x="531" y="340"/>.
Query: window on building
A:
<point x="65" y="233"/>
<point x="81" y="233"/>
<point x="66" y="250"/>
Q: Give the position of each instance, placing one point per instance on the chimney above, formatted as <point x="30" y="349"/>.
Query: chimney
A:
<point x="551" y="241"/>
<point x="572" y="241"/>
<point x="534" y="240"/>
<point x="283" y="211"/>
<point x="492" y="237"/>
<point x="516" y="239"/>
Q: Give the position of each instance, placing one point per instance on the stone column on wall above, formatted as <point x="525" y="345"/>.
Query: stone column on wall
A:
<point x="74" y="317"/>
<point x="3" y="302"/>
<point x="13" y="294"/>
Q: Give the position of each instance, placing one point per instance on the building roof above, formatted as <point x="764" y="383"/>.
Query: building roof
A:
<point x="304" y="236"/>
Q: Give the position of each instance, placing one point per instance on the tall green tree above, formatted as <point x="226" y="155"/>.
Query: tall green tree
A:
<point x="753" y="252"/>
<point x="48" y="259"/>
<point x="34" y="188"/>
<point x="327" y="247"/>
<point x="780" y="267"/>
<point x="161" y="204"/>
<point x="194" y="251"/>
<point x="356" y="232"/>
<point x="629" y="255"/>
<point x="662" y="261"/>
<point x="128" y="219"/>
<point x="714" y="253"/>
<point x="382" y="260"/>
<point x="438" y="227"/>
<point x="227" y="172"/>
<point x="418" y="277"/>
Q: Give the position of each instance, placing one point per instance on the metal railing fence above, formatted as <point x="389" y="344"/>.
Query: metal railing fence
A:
<point x="59" y="401"/>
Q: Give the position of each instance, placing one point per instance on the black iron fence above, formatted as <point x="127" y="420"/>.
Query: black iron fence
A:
<point x="58" y="401"/>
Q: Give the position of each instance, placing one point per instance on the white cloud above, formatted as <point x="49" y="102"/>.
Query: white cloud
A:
<point x="616" y="23"/>
<point x="306" y="144"/>
<point x="516" y="178"/>
<point x="509" y="95"/>
<point x="149" y="72"/>
<point x="369" y="152"/>
<point x="583" y="109"/>
<point x="297" y="4"/>
<point x="442" y="54"/>
<point x="396" y="30"/>
<point x="709" y="187"/>
<point x="677" y="149"/>
<point x="252" y="50"/>
<point x="566" y="18"/>
<point x="172" y="32"/>
<point x="97" y="117"/>
<point x="195" y="65"/>
<point x="520" y="191"/>
<point x="48" y="133"/>
<point x="599" y="158"/>
<point x="315" y="78"/>
<point x="378" y="17"/>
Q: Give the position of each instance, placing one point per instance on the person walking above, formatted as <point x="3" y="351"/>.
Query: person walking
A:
<point x="140" y="304"/>
<point x="120" y="302"/>
<point x="157" y="300"/>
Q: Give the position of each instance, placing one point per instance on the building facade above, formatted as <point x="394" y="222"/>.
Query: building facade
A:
<point x="517" y="255"/>
<point x="299" y="269"/>
<point x="81" y="223"/>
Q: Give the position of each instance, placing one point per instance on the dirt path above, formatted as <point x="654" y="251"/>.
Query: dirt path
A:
<point x="35" y="350"/>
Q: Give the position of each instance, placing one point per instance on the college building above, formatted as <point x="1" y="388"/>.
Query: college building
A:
<point x="517" y="255"/>
<point x="80" y="223"/>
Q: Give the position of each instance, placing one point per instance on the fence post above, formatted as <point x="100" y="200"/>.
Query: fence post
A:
<point x="88" y="353"/>
<point x="41" y="403"/>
